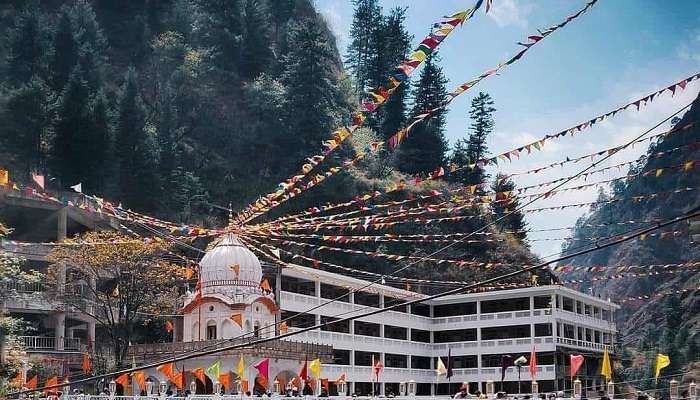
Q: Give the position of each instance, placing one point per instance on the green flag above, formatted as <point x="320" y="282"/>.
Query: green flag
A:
<point x="214" y="371"/>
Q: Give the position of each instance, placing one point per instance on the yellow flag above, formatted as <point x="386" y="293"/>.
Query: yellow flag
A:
<point x="606" y="369"/>
<point x="4" y="177"/>
<point x="662" y="361"/>
<point x="240" y="369"/>
<point x="315" y="367"/>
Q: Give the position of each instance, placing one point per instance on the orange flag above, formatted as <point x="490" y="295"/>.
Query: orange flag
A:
<point x="19" y="379"/>
<point x="33" y="383"/>
<point x="167" y="369"/>
<point x="225" y="379"/>
<point x="265" y="285"/>
<point x="169" y="326"/>
<point x="236" y="268"/>
<point x="199" y="374"/>
<point x="244" y="386"/>
<point x="324" y="384"/>
<point x="140" y="379"/>
<point x="86" y="366"/>
<point x="340" y="379"/>
<point x="189" y="273"/>
<point x="53" y="381"/>
<point x="178" y="379"/>
<point x="238" y="319"/>
<point x="283" y="327"/>
<point x="123" y="380"/>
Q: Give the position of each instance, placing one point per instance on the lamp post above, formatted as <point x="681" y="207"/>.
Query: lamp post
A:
<point x="535" y="389"/>
<point x="162" y="388"/>
<point x="277" y="387"/>
<point x="611" y="389"/>
<point x="490" y="389"/>
<point x="411" y="388"/>
<point x="693" y="391"/>
<point x="149" y="388"/>
<point x="217" y="388"/>
<point x="673" y="389"/>
<point x="342" y="388"/>
<point x="577" y="389"/>
<point x="112" y="389"/>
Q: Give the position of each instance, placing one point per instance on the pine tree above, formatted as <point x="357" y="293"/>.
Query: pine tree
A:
<point x="167" y="122"/>
<point x="256" y="53"/>
<point x="481" y="113"/>
<point x="396" y="46"/>
<point x="220" y="27"/>
<point x="102" y="145"/>
<point x="65" y="51"/>
<point x="72" y="153"/>
<point x="135" y="149"/>
<point x="29" y="41"/>
<point x="91" y="43"/>
<point x="460" y="159"/>
<point x="366" y="44"/>
<point x="425" y="148"/>
<point x="26" y="126"/>
<point x="505" y="204"/>
<point x="311" y="84"/>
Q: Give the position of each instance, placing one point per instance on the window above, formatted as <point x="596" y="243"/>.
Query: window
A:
<point x="420" y="309"/>
<point x="464" y="362"/>
<point x="390" y="301"/>
<point x="300" y="286"/>
<point x="211" y="330"/>
<point x="419" y="362"/>
<point x="542" y="302"/>
<point x="335" y="292"/>
<point x="341" y="357"/>
<point x="579" y="307"/>
<point x="449" y="310"/>
<point x="455" y="335"/>
<point x="569" y="331"/>
<point x="367" y="299"/>
<point x="606" y="315"/>
<point x="419" y="335"/>
<point x="495" y="306"/>
<point x="505" y="332"/>
<point x="340" y="327"/>
<point x="580" y="333"/>
<point x="296" y="320"/>
<point x="543" y="330"/>
<point x="596" y="336"/>
<point x="395" y="360"/>
<point x="395" y="332"/>
<point x="363" y="358"/>
<point x="567" y="304"/>
<point x="587" y="309"/>
<point x="589" y="335"/>
<point x="366" y="328"/>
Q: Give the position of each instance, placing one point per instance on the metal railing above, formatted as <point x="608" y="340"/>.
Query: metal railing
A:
<point x="274" y="345"/>
<point x="44" y="343"/>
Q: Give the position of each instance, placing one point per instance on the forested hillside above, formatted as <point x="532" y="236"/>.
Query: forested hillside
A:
<point x="180" y="108"/>
<point x="667" y="324"/>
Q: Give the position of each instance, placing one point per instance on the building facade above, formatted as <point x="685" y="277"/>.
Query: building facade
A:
<point x="476" y="330"/>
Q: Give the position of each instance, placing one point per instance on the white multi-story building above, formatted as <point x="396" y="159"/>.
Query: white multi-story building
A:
<point x="475" y="329"/>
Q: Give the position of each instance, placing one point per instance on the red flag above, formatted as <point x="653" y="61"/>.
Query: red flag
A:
<point x="53" y="381"/>
<point x="304" y="374"/>
<point x="533" y="363"/>
<point x="38" y="179"/>
<point x="576" y="362"/>
<point x="123" y="380"/>
<point x="86" y="366"/>
<point x="263" y="367"/>
<point x="199" y="374"/>
<point x="167" y="369"/>
<point x="225" y="379"/>
<point x="33" y="383"/>
<point x="377" y="368"/>
<point x="19" y="379"/>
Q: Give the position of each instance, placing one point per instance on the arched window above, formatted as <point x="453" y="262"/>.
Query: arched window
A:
<point x="211" y="330"/>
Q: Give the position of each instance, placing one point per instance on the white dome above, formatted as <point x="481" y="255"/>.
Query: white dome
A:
<point x="230" y="269"/>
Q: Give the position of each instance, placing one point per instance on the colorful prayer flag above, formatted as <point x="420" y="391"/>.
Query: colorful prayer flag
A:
<point x="214" y="370"/>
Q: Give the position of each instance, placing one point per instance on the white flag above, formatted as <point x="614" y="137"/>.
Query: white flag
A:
<point x="441" y="369"/>
<point x="78" y="188"/>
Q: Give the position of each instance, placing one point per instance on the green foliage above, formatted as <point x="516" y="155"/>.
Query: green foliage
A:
<point x="426" y="147"/>
<point x="469" y="151"/>
<point x="29" y="40"/>
<point x="256" y="53"/>
<point x="65" y="51"/>
<point x="364" y="51"/>
<point x="507" y="218"/>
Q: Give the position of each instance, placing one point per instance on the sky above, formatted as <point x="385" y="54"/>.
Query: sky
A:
<point x="617" y="52"/>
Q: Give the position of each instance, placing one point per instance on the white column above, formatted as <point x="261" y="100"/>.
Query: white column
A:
<point x="59" y="330"/>
<point x="317" y="287"/>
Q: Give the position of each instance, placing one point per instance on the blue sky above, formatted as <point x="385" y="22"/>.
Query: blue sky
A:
<point x="619" y="50"/>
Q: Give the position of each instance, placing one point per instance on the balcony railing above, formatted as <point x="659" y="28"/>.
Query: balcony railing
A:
<point x="285" y="346"/>
<point x="584" y="344"/>
<point x="49" y="343"/>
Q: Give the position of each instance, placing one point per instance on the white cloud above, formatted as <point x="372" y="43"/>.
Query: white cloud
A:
<point x="508" y="12"/>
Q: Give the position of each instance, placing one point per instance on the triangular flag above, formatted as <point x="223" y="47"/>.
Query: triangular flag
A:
<point x="178" y="379"/>
<point x="283" y="327"/>
<point x="662" y="361"/>
<point x="169" y="327"/>
<point x="340" y="379"/>
<point x="324" y="384"/>
<point x="38" y="179"/>
<point x="123" y="380"/>
<point x="33" y="383"/>
<point x="53" y="381"/>
<point x="240" y="368"/>
<point x="576" y="362"/>
<point x="606" y="368"/>
<point x="238" y="319"/>
<point x="214" y="370"/>
<point x="140" y="379"/>
<point x="167" y="369"/>
<point x="533" y="363"/>
<point x="4" y="177"/>
<point x="315" y="367"/>
<point x="263" y="367"/>
<point x="303" y="374"/>
<point x="225" y="380"/>
<point x="78" y="188"/>
<point x="86" y="365"/>
<point x="18" y="382"/>
<point x="265" y="285"/>
<point x="441" y="369"/>
<point x="377" y="368"/>
<point x="199" y="374"/>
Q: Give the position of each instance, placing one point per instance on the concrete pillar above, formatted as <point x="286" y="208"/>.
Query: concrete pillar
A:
<point x="351" y="297"/>
<point x="352" y="357"/>
<point x="91" y="334"/>
<point x="381" y="330"/>
<point x="62" y="227"/>
<point x="59" y="332"/>
<point x="381" y="300"/>
<point x="278" y="299"/>
<point x="532" y="303"/>
<point x="317" y="287"/>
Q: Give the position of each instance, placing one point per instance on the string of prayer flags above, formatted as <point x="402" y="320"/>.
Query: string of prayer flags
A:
<point x="396" y="139"/>
<point x="376" y="97"/>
